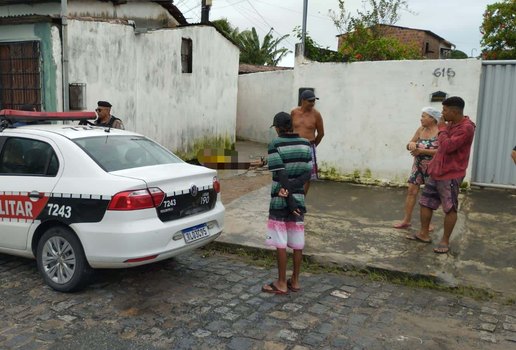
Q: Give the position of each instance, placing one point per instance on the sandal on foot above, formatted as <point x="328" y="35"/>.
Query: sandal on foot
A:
<point x="415" y="237"/>
<point x="441" y="249"/>
<point x="401" y="225"/>
<point x="273" y="289"/>
<point x="289" y="286"/>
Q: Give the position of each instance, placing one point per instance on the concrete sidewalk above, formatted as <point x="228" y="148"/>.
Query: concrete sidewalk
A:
<point x="351" y="226"/>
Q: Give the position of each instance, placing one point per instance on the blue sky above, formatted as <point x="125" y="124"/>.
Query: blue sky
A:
<point x="457" y="21"/>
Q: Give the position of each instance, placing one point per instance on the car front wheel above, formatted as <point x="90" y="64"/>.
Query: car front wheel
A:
<point x="61" y="260"/>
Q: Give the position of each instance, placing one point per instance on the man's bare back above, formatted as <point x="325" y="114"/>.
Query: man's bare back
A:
<point x="308" y="123"/>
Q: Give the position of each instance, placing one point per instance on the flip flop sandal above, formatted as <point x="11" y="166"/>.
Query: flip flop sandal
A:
<point x="274" y="289"/>
<point x="401" y="226"/>
<point x="441" y="249"/>
<point x="289" y="286"/>
<point x="416" y="238"/>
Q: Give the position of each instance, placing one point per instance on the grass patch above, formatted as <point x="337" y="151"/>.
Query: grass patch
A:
<point x="419" y="281"/>
<point x="257" y="257"/>
<point x="267" y="259"/>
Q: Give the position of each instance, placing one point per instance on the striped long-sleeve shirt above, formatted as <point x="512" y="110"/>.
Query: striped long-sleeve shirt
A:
<point x="291" y="153"/>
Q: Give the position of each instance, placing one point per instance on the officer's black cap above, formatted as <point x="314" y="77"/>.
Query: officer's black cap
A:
<point x="104" y="104"/>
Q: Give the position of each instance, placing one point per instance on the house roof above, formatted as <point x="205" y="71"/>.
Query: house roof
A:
<point x="422" y="30"/>
<point x="167" y="4"/>
<point x="252" y="68"/>
<point x="419" y="30"/>
<point x="174" y="11"/>
<point x="16" y="2"/>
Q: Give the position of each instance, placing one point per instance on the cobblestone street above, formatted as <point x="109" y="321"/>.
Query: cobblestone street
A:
<point x="215" y="302"/>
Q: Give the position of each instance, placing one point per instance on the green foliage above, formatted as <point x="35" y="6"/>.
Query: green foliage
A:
<point x="383" y="11"/>
<point x="380" y="12"/>
<point x="225" y="27"/>
<point x="458" y="54"/>
<point x="367" y="44"/>
<point x="499" y="31"/>
<point x="315" y="52"/>
<point x="252" y="51"/>
<point x="267" y="53"/>
<point x="364" y="39"/>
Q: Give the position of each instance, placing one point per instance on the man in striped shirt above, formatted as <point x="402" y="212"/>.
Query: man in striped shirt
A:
<point x="290" y="161"/>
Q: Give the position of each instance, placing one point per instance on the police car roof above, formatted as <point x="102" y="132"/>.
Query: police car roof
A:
<point x="70" y="131"/>
<point x="14" y="115"/>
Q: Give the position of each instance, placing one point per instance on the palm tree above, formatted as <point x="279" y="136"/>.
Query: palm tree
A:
<point x="225" y="27"/>
<point x="267" y="53"/>
<point x="251" y="50"/>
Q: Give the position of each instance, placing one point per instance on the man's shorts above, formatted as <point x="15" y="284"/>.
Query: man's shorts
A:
<point x="441" y="192"/>
<point x="286" y="232"/>
<point x="313" y="174"/>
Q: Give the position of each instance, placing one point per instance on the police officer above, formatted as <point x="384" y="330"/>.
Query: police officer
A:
<point x="105" y="118"/>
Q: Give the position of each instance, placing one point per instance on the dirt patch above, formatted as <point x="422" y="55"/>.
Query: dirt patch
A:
<point x="238" y="185"/>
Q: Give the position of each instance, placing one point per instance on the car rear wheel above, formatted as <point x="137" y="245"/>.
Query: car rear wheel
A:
<point x="61" y="260"/>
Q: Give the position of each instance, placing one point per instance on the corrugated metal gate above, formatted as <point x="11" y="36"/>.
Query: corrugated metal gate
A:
<point x="496" y="126"/>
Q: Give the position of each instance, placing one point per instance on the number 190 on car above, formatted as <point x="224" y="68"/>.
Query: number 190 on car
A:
<point x="195" y="233"/>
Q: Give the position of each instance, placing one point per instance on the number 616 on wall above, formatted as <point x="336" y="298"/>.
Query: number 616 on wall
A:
<point x="443" y="72"/>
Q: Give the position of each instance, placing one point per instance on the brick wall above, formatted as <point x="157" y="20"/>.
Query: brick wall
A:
<point x="428" y="44"/>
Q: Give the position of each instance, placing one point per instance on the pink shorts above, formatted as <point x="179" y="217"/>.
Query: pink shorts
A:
<point x="283" y="233"/>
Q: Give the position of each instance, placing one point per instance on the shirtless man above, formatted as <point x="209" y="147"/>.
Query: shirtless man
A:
<point x="308" y="123"/>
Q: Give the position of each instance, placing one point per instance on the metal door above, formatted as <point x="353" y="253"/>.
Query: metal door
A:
<point x="20" y="75"/>
<point x="496" y="126"/>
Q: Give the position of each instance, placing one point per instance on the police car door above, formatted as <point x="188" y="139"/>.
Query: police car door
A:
<point x="29" y="169"/>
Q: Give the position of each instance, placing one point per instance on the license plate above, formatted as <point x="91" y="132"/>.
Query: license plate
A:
<point x="195" y="233"/>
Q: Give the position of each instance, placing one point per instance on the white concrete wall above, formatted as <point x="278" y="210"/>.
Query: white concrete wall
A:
<point x="130" y="10"/>
<point x="57" y="54"/>
<point x="372" y="109"/>
<point x="260" y="97"/>
<point x="189" y="107"/>
<point x="140" y="74"/>
<point x="92" y="8"/>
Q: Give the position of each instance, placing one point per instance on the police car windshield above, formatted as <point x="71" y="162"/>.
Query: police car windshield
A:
<point x="114" y="153"/>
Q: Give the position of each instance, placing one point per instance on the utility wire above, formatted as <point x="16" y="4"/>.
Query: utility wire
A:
<point x="179" y="3"/>
<point x="291" y="10"/>
<point x="193" y="8"/>
<point x="251" y="18"/>
<point x="249" y="15"/>
<point x="229" y="4"/>
<point x="267" y="23"/>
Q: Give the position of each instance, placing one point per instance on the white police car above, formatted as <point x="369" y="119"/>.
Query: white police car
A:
<point x="82" y="197"/>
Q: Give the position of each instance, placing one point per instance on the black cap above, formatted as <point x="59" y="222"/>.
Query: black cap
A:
<point x="104" y="104"/>
<point x="308" y="95"/>
<point x="282" y="120"/>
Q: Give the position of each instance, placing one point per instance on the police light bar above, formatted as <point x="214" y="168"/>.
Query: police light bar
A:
<point x="14" y="115"/>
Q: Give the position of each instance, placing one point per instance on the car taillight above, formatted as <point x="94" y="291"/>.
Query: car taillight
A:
<point x="137" y="199"/>
<point x="216" y="184"/>
<point x="157" y="195"/>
